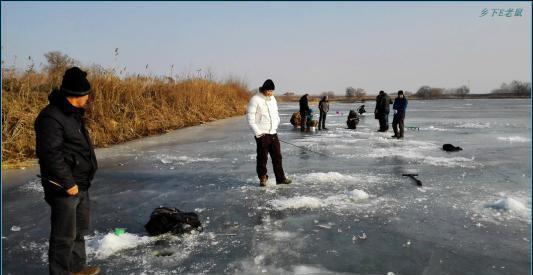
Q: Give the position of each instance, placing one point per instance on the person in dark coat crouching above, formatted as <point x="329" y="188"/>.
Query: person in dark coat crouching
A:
<point x="353" y="120"/>
<point x="68" y="164"/>
<point x="400" y="105"/>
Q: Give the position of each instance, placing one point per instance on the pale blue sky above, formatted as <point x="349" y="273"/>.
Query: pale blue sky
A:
<point x="303" y="46"/>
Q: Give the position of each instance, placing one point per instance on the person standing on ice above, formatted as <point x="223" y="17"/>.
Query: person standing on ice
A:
<point x="400" y="105"/>
<point x="304" y="112"/>
<point x="263" y="117"/>
<point x="68" y="164"/>
<point x="382" y="111"/>
<point x="323" y="106"/>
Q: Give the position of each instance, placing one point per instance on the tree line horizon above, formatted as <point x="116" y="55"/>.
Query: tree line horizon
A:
<point x="57" y="62"/>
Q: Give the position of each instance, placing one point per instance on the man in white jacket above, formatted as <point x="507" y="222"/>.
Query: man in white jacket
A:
<point x="263" y="118"/>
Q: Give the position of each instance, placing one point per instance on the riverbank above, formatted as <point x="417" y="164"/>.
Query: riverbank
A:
<point x="121" y="109"/>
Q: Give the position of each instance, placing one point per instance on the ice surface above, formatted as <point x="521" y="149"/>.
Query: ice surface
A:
<point x="348" y="210"/>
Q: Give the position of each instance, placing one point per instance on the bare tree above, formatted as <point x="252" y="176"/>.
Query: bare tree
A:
<point x="58" y="61"/>
<point x="427" y="92"/>
<point x="515" y="87"/>
<point x="350" y="92"/>
<point x="57" y="64"/>
<point x="462" y="91"/>
<point x="359" y="93"/>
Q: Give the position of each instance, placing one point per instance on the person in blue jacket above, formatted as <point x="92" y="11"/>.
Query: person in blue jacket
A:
<point x="400" y="105"/>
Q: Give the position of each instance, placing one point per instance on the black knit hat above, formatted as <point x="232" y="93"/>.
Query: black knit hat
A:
<point x="268" y="85"/>
<point x="75" y="82"/>
<point x="400" y="92"/>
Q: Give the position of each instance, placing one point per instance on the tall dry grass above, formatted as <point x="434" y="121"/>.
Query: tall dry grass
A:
<point x="120" y="109"/>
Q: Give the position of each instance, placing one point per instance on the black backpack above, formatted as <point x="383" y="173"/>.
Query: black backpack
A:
<point x="450" y="148"/>
<point x="170" y="219"/>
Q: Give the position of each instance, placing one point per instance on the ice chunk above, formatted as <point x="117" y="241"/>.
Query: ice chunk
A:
<point x="357" y="195"/>
<point x="111" y="244"/>
<point x="259" y="259"/>
<point x="296" y="202"/>
<point x="509" y="204"/>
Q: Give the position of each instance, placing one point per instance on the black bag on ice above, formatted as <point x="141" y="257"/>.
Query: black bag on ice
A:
<point x="450" y="148"/>
<point x="170" y="219"/>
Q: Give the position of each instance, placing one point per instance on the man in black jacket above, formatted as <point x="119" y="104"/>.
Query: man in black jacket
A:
<point x="68" y="164"/>
<point x="382" y="110"/>
<point x="304" y="111"/>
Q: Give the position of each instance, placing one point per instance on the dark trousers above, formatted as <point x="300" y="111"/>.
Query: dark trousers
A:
<point x="70" y="223"/>
<point x="384" y="122"/>
<point x="303" y="121"/>
<point x="322" y="120"/>
<point x="398" y="121"/>
<point x="269" y="144"/>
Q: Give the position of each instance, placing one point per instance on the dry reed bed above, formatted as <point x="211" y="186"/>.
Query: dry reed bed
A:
<point x="120" y="109"/>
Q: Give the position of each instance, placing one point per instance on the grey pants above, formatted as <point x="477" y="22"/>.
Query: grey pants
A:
<point x="322" y="120"/>
<point x="70" y="223"/>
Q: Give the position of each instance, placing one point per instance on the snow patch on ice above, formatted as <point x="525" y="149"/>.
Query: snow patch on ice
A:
<point x="357" y="195"/>
<point x="306" y="269"/>
<point x="171" y="159"/>
<point x="104" y="246"/>
<point x="475" y="125"/>
<point x="283" y="235"/>
<point x="504" y="208"/>
<point x="33" y="186"/>
<point x="514" y="139"/>
<point x="509" y="204"/>
<point x="345" y="200"/>
<point x="41" y="248"/>
<point x="296" y="203"/>
<point x="433" y="128"/>
<point x="450" y="162"/>
<point x="101" y="246"/>
<point x="333" y="177"/>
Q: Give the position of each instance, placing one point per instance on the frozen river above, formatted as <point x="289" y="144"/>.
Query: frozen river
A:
<point x="350" y="212"/>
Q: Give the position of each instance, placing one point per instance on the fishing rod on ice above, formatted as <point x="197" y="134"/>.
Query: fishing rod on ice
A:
<point x="307" y="149"/>
<point x="412" y="176"/>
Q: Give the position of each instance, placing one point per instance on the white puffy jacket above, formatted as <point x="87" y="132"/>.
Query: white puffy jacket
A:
<point x="262" y="114"/>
